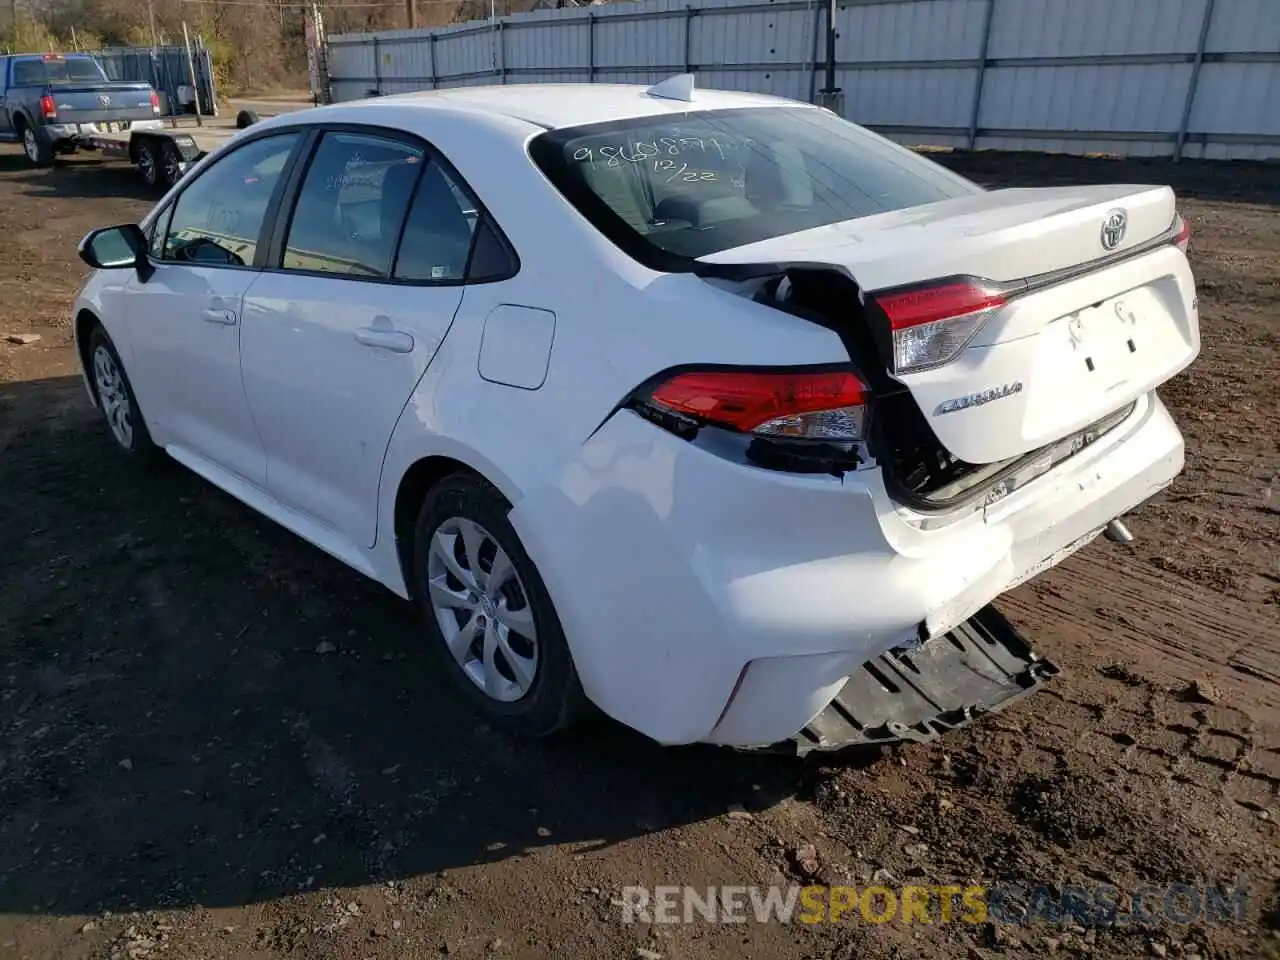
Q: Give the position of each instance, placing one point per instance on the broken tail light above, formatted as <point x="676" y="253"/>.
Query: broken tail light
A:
<point x="48" y="108"/>
<point x="932" y="324"/>
<point x="798" y="404"/>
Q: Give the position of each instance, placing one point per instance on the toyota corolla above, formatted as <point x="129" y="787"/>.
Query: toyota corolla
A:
<point x="713" y="410"/>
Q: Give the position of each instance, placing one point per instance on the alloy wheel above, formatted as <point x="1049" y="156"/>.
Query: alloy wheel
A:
<point x="147" y="165"/>
<point x="172" y="167"/>
<point x="30" y="145"/>
<point x="483" y="610"/>
<point x="113" y="396"/>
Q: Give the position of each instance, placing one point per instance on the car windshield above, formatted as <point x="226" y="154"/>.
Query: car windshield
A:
<point x="672" y="188"/>
<point x="38" y="71"/>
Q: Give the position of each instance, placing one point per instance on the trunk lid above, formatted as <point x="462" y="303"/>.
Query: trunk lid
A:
<point x="1090" y="316"/>
<point x="101" y="102"/>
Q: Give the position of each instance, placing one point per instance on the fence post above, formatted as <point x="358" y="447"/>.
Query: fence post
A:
<point x="813" y="54"/>
<point x="987" y="16"/>
<point x="1194" y="82"/>
<point x="377" y="68"/>
<point x="689" y="14"/>
<point x="191" y="68"/>
<point x="502" y="50"/>
<point x="431" y="49"/>
<point x="591" y="46"/>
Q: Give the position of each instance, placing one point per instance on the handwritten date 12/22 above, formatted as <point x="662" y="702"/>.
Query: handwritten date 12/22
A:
<point x="682" y="172"/>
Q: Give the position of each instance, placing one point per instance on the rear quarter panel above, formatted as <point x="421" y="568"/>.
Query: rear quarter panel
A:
<point x="617" y="325"/>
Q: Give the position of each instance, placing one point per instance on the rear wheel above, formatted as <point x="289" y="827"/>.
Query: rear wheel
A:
<point x="170" y="165"/>
<point x="149" y="163"/>
<point x="488" y="616"/>
<point x="39" y="153"/>
<point x="115" y="398"/>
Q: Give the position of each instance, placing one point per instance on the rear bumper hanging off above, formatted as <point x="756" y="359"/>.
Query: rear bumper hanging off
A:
<point x="980" y="667"/>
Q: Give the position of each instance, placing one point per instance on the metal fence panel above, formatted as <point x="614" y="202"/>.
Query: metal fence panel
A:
<point x="166" y="69"/>
<point x="1141" y="77"/>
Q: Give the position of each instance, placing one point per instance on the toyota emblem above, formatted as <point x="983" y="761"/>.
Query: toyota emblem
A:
<point x="1113" y="227"/>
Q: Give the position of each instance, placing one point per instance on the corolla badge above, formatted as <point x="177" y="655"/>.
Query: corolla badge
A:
<point x="979" y="398"/>
<point x="1113" y="227"/>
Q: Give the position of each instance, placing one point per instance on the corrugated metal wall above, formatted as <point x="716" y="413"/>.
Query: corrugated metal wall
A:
<point x="1144" y="77"/>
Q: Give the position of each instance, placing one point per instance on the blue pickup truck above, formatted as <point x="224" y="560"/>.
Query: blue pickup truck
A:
<point x="49" y="101"/>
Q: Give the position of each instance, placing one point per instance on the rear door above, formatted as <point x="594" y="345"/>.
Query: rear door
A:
<point x="185" y="320"/>
<point x="339" y="330"/>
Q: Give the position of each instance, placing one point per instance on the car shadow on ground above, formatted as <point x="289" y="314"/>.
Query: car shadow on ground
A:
<point x="197" y="707"/>
<point x="79" y="177"/>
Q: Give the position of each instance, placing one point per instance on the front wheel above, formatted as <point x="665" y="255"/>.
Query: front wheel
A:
<point x="115" y="398"/>
<point x="488" y="616"/>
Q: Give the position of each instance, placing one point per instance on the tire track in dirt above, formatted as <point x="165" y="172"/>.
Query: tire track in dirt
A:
<point x="1103" y="601"/>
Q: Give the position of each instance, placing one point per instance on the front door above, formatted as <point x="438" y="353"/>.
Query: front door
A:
<point x="336" y="337"/>
<point x="186" y="318"/>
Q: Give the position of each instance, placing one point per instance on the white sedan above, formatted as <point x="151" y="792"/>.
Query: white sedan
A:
<point x="713" y="410"/>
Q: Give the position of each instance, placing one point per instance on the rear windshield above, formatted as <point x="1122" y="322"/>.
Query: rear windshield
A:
<point x="35" y="72"/>
<point x="676" y="187"/>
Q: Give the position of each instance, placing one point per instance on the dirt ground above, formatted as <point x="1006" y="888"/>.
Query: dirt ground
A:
<point x="183" y="775"/>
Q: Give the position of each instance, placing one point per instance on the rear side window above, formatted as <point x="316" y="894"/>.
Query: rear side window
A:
<point x="34" y="71"/>
<point x="218" y="218"/>
<point x="348" y="215"/>
<point x="672" y="188"/>
<point x="438" y="233"/>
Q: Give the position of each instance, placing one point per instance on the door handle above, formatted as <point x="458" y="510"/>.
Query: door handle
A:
<point x="225" y="317"/>
<point x="385" y="338"/>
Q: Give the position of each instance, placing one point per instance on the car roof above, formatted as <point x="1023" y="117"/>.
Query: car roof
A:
<point x="555" y="105"/>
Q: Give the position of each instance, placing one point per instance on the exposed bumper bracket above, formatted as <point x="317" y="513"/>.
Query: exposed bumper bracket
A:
<point x="980" y="667"/>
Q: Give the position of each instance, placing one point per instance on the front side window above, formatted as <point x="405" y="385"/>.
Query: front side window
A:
<point x="159" y="229"/>
<point x="352" y="205"/>
<point x="218" y="218"/>
<point x="672" y="188"/>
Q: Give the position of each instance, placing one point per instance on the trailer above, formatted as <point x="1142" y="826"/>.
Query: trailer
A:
<point x="160" y="150"/>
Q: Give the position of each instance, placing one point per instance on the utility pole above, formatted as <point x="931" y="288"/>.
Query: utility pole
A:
<point x="151" y="15"/>
<point x="411" y="11"/>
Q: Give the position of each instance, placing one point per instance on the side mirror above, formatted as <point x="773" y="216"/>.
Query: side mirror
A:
<point x="117" y="248"/>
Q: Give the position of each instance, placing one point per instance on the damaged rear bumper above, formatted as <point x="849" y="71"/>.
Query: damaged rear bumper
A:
<point x="979" y="667"/>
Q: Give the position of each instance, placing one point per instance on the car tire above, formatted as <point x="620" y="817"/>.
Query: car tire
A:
<point x="39" y="152"/>
<point x="522" y="679"/>
<point x="170" y="166"/>
<point x="245" y="119"/>
<point x="149" y="163"/>
<point x="116" y="400"/>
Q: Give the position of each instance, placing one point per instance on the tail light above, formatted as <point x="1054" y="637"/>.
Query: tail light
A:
<point x="932" y="324"/>
<point x="1182" y="238"/>
<point x="48" y="108"/>
<point x="799" y="404"/>
<point x="155" y="102"/>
